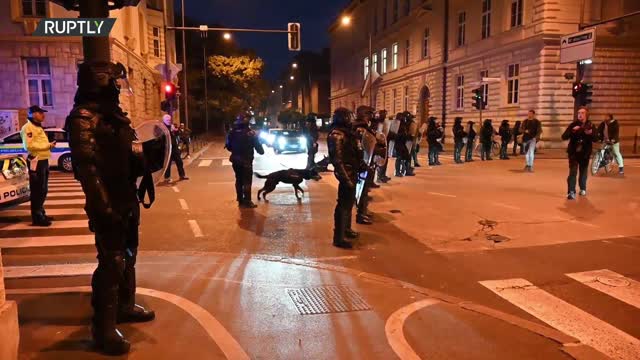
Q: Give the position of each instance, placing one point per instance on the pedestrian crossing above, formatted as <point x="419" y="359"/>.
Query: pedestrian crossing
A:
<point x="65" y="202"/>
<point x="571" y="319"/>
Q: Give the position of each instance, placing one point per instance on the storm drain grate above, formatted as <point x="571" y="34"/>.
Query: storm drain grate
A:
<point x="327" y="300"/>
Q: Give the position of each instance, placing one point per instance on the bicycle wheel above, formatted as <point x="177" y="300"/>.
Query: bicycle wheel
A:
<point x="477" y="150"/>
<point x="595" y="162"/>
<point x="495" y="149"/>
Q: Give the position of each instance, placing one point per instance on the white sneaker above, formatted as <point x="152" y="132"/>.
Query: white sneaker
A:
<point x="583" y="192"/>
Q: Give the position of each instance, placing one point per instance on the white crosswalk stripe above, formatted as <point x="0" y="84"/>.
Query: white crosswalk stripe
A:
<point x="65" y="202"/>
<point x="572" y="320"/>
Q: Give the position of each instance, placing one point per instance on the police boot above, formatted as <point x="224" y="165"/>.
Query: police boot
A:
<point x="409" y="171"/>
<point x="363" y="219"/>
<point x="128" y="310"/>
<point x="349" y="233"/>
<point x="107" y="338"/>
<point x="339" y="230"/>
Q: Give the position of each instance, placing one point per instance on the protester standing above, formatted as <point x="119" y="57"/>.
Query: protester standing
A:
<point x="175" y="151"/>
<point x="609" y="133"/>
<point x="580" y="134"/>
<point x="184" y="134"/>
<point x="517" y="139"/>
<point x="459" y="136"/>
<point x="505" y="138"/>
<point x="471" y="138"/>
<point x="36" y="143"/>
<point x="532" y="129"/>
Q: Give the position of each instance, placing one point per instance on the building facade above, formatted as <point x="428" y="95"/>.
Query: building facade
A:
<point x="431" y="54"/>
<point x="43" y="70"/>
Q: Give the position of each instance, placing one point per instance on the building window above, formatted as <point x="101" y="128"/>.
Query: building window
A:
<point x="486" y="18"/>
<point x="485" y="86"/>
<point x="406" y="98"/>
<point x="425" y="43"/>
<point x="516" y="13"/>
<point x="462" y="27"/>
<point x="407" y="52"/>
<point x="156" y="41"/>
<point x="513" y="84"/>
<point x="34" y="8"/>
<point x="366" y="67"/>
<point x="375" y="62"/>
<point x="396" y="10"/>
<point x="407" y="7"/>
<point x="394" y="57"/>
<point x="384" y="61"/>
<point x="38" y="75"/>
<point x="393" y="105"/>
<point x="460" y="92"/>
<point x="385" y="13"/>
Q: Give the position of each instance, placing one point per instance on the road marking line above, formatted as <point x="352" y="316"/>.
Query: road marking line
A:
<point x="175" y="189"/>
<point x="56" y="270"/>
<point x="613" y="284"/>
<point x="222" y="182"/>
<point x="512" y="207"/>
<point x="204" y="163"/>
<point x="57" y="202"/>
<point x="226" y="162"/>
<point x="329" y="258"/>
<point x="395" y="333"/>
<point x="183" y="204"/>
<point x="46" y="241"/>
<point x="195" y="228"/>
<point x="56" y="187"/>
<point x="440" y="194"/>
<point x="65" y="224"/>
<point x="584" y="223"/>
<point x="216" y="331"/>
<point x="54" y="194"/>
<point x="567" y="318"/>
<point x="17" y="213"/>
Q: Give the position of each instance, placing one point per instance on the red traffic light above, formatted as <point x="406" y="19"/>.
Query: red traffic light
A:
<point x="170" y="88"/>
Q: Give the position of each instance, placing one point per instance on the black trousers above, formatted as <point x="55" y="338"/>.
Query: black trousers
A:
<point x="363" y="205"/>
<point x="503" y="150"/>
<point x="485" y="152"/>
<point x="434" y="149"/>
<point x="343" y="211"/>
<point x="244" y="178"/>
<point x="457" y="151"/>
<point x="414" y="153"/>
<point x="575" y="166"/>
<point x="469" y="152"/>
<point x="515" y="148"/>
<point x="114" y="280"/>
<point x="175" y="157"/>
<point x="39" y="185"/>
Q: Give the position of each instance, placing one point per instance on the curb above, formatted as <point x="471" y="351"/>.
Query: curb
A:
<point x="195" y="156"/>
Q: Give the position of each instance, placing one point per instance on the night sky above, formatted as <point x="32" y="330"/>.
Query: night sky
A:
<point x="315" y="17"/>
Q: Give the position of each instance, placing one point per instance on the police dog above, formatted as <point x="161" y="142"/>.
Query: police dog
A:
<point x="290" y="176"/>
<point x="322" y="165"/>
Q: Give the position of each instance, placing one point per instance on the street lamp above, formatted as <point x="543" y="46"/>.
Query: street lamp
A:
<point x="294" y="65"/>
<point x="346" y="20"/>
<point x="280" y="86"/>
<point x="227" y="36"/>
<point x="292" y="78"/>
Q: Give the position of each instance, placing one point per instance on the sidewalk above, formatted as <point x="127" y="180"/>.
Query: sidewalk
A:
<point x="215" y="306"/>
<point x="541" y="153"/>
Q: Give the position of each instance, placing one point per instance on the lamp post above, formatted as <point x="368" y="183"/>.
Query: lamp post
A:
<point x="346" y="22"/>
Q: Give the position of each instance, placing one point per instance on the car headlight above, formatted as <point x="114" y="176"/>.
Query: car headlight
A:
<point x="282" y="142"/>
<point x="271" y="138"/>
<point x="263" y="135"/>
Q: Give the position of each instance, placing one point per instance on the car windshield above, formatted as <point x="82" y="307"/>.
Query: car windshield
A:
<point x="291" y="133"/>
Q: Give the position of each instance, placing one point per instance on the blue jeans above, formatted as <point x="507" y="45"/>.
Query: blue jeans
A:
<point x="530" y="147"/>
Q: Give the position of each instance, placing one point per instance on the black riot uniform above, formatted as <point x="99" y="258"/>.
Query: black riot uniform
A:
<point x="101" y="138"/>
<point x="471" y="138"/>
<point x="362" y="125"/>
<point x="345" y="158"/>
<point x="312" y="135"/>
<point x="403" y="162"/>
<point x="241" y="142"/>
<point x="382" y="170"/>
<point x="459" y="136"/>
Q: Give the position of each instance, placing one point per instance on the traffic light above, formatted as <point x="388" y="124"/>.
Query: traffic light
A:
<point x="478" y="101"/>
<point x="170" y="91"/>
<point x="582" y="92"/>
<point x="294" y="36"/>
<point x="587" y="90"/>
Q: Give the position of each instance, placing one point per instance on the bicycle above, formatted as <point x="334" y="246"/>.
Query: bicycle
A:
<point x="495" y="149"/>
<point x="602" y="158"/>
<point x="183" y="148"/>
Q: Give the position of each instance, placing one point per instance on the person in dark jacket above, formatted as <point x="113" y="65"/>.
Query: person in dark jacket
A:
<point x="362" y="125"/>
<point x="345" y="158"/>
<point x="403" y="166"/>
<point x="486" y="139"/>
<point x="517" y="139"/>
<point x="434" y="136"/>
<point x="531" y="131"/>
<point x="241" y="142"/>
<point x="609" y="133"/>
<point x="471" y="138"/>
<point x="381" y="116"/>
<point x="458" y="139"/>
<point x="175" y="151"/>
<point x="505" y="138"/>
<point x="312" y="135"/>
<point x="580" y="134"/>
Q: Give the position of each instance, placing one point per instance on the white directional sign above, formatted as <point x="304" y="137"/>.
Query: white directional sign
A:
<point x="577" y="46"/>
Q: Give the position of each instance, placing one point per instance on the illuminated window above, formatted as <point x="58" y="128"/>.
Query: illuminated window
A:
<point x="38" y="76"/>
<point x="486" y="18"/>
<point x="516" y="13"/>
<point x="394" y="58"/>
<point x="460" y="92"/>
<point x="513" y="84"/>
<point x="462" y="28"/>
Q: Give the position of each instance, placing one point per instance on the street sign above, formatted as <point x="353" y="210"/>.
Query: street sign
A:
<point x="577" y="46"/>
<point x="294" y="36"/>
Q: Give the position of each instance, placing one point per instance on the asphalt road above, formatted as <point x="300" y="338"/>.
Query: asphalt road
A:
<point x="501" y="253"/>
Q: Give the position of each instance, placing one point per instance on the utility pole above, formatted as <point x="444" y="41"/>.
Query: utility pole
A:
<point x="167" y="73"/>
<point x="206" y="89"/>
<point x="184" y="70"/>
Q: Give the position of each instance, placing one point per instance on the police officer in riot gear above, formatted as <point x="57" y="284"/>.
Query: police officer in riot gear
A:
<point x="345" y="158"/>
<point x="241" y="142"/>
<point x="458" y="139"/>
<point x="364" y="116"/>
<point x="380" y="118"/>
<point x="101" y="139"/>
<point x="403" y="163"/>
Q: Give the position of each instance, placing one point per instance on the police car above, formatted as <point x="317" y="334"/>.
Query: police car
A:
<point x="14" y="181"/>
<point x="60" y="155"/>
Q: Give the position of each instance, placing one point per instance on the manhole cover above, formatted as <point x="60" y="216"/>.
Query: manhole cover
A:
<point x="613" y="281"/>
<point x="396" y="211"/>
<point x="327" y="300"/>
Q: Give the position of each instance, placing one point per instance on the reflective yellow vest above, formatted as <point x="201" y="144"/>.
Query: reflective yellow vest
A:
<point x="35" y="141"/>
